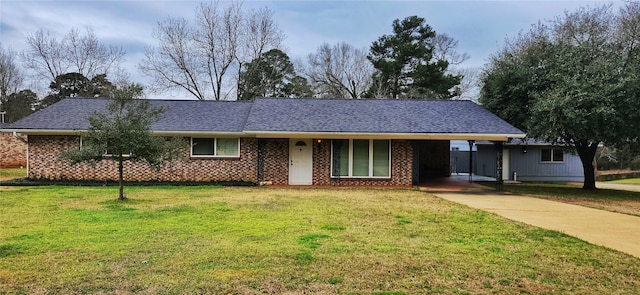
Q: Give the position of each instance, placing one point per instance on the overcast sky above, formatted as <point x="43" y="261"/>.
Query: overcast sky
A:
<point x="480" y="26"/>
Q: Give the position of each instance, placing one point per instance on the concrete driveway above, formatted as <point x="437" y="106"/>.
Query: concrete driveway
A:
<point x="612" y="230"/>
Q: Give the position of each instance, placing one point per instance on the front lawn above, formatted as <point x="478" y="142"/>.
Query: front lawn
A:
<point x="199" y="240"/>
<point x="620" y="201"/>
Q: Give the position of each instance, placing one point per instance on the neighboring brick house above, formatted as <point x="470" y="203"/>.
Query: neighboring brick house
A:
<point x="13" y="149"/>
<point x="329" y="142"/>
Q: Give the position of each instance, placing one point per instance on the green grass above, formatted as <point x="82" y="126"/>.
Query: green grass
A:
<point x="199" y="240"/>
<point x="635" y="181"/>
<point x="12" y="173"/>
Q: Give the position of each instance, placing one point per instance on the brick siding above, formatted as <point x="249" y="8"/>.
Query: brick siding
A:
<point x="276" y="163"/>
<point x="45" y="163"/>
<point x="13" y="151"/>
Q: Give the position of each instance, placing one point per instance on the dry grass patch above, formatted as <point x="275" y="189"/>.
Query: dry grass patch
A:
<point x="619" y="201"/>
<point x="207" y="240"/>
<point x="12" y="173"/>
<point x="634" y="181"/>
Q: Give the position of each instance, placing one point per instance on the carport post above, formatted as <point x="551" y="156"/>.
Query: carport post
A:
<point x="471" y="160"/>
<point x="499" y="151"/>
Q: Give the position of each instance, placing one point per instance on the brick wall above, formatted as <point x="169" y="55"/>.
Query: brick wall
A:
<point x="276" y="161"/>
<point x="13" y="151"/>
<point x="44" y="162"/>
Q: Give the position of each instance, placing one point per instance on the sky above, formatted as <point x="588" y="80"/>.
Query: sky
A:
<point x="479" y="26"/>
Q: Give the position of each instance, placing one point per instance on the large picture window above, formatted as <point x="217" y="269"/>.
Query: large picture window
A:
<point x="215" y="147"/>
<point x="551" y="156"/>
<point x="361" y="158"/>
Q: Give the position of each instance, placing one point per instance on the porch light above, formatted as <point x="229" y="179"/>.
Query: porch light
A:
<point x="319" y="140"/>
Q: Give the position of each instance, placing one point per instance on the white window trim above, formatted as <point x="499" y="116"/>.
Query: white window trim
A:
<point x="552" y="161"/>
<point x="111" y="155"/>
<point x="370" y="161"/>
<point x="215" y="148"/>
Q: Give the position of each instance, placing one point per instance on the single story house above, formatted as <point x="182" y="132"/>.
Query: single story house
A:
<point x="326" y="142"/>
<point x="530" y="160"/>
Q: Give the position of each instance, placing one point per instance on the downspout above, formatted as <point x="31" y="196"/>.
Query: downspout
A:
<point x="28" y="154"/>
<point x="261" y="155"/>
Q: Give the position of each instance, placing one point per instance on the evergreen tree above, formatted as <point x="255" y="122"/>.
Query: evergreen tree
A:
<point x="405" y="63"/>
<point x="122" y="133"/>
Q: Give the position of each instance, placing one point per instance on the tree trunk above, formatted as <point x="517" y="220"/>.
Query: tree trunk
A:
<point x="120" y="177"/>
<point x="587" y="152"/>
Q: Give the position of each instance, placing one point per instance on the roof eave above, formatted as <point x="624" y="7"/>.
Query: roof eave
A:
<point x="44" y="131"/>
<point x="371" y="135"/>
<point x="289" y="134"/>
<point x="158" y="132"/>
<point x="198" y="133"/>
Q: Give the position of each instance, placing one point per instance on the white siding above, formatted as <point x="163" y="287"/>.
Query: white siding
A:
<point x="528" y="165"/>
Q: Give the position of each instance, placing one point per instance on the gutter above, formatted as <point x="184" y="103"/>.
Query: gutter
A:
<point x="303" y="135"/>
<point x="159" y="133"/>
<point x="359" y="135"/>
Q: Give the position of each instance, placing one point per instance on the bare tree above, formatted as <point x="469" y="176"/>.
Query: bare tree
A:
<point x="197" y="58"/>
<point x="469" y="87"/>
<point x="49" y="57"/>
<point x="10" y="76"/>
<point x="90" y="57"/>
<point x="378" y="88"/>
<point x="260" y="34"/>
<point x="340" y="71"/>
<point x="218" y="35"/>
<point x="45" y="55"/>
<point x="175" y="63"/>
<point x="445" y="48"/>
<point x="628" y="32"/>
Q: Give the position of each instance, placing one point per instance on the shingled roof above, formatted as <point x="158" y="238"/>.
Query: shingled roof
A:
<point x="272" y="117"/>
<point x="374" y="116"/>
<point x="180" y="116"/>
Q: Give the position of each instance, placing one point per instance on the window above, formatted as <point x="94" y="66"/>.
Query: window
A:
<point x="215" y="147"/>
<point x="552" y="155"/>
<point x="107" y="152"/>
<point x="360" y="158"/>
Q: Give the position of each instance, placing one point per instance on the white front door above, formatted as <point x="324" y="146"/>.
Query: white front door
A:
<point x="300" y="161"/>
